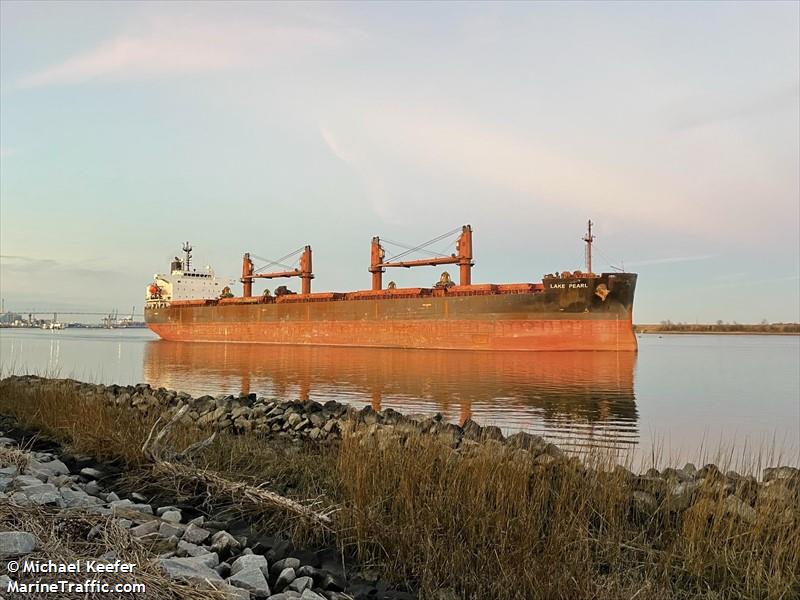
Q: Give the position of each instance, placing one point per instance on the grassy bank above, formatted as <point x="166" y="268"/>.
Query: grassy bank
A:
<point x="487" y="521"/>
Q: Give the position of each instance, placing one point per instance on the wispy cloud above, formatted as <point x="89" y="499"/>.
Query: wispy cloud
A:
<point x="669" y="260"/>
<point x="334" y="146"/>
<point x="439" y="140"/>
<point x="170" y="47"/>
<point x="34" y="266"/>
<point x="706" y="111"/>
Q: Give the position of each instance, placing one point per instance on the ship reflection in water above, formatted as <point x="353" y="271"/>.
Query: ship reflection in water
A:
<point x="571" y="398"/>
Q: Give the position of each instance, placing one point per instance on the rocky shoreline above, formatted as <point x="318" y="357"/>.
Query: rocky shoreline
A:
<point x="183" y="543"/>
<point x="191" y="547"/>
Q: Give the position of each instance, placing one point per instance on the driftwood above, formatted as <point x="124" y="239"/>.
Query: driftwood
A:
<point x="169" y="462"/>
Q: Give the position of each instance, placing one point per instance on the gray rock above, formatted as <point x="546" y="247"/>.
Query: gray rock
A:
<point x="234" y="593"/>
<point x="247" y="561"/>
<point x="44" y="493"/>
<point x="194" y="569"/>
<point x="172" y="516"/>
<point x="92" y="488"/>
<point x="60" y="480"/>
<point x="773" y="473"/>
<point x="92" y="473"/>
<point x="170" y="529"/>
<point x="209" y="560"/>
<point x="310" y="595"/>
<point x="50" y="468"/>
<point x="554" y="451"/>
<point x="100" y="510"/>
<point x="188" y="549"/>
<point x="689" y="469"/>
<point x="222" y="541"/>
<point x="317" y="420"/>
<point x="251" y="579"/>
<point x="680" y="496"/>
<point x="145" y="529"/>
<point x="286" y="577"/>
<point x="526" y="441"/>
<point x="744" y="511"/>
<point x="76" y="499"/>
<point x="644" y="503"/>
<point x="282" y="564"/>
<point x="162" y="509"/>
<point x="22" y="481"/>
<point x="195" y="534"/>
<point x="301" y="583"/>
<point x="111" y="497"/>
<point x="777" y="491"/>
<point x="127" y="504"/>
<point x="302" y="424"/>
<point x="17" y="543"/>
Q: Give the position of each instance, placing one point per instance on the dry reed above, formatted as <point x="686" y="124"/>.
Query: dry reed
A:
<point x="487" y="521"/>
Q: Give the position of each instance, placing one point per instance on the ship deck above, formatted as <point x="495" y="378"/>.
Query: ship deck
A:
<point x="488" y="289"/>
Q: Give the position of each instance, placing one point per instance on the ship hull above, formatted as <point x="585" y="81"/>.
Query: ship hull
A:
<point x="563" y="315"/>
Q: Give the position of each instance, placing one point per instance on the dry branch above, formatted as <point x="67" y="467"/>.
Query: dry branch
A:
<point x="254" y="496"/>
<point x="172" y="463"/>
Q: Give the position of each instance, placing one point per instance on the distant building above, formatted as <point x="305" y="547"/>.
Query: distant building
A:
<point x="10" y="317"/>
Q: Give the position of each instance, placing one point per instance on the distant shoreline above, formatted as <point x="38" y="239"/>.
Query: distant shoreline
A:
<point x="721" y="329"/>
<point x="648" y="332"/>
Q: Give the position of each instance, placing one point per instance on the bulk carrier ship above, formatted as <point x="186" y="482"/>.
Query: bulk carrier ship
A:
<point x="565" y="311"/>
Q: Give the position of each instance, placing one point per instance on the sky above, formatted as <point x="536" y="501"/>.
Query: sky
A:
<point x="127" y="128"/>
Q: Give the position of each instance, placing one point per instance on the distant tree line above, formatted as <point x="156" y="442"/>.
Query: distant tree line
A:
<point x="719" y="327"/>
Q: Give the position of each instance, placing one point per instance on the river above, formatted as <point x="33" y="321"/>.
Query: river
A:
<point x="682" y="397"/>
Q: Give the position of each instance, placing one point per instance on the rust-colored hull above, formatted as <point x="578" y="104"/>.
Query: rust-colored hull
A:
<point x="457" y="335"/>
<point x="558" y="315"/>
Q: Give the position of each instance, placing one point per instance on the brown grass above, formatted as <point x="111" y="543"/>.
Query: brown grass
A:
<point x="491" y="523"/>
<point x="487" y="521"/>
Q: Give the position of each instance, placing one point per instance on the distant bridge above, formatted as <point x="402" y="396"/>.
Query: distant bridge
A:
<point x="74" y="312"/>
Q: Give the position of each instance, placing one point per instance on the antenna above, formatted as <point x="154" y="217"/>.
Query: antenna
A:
<point x="589" y="238"/>
<point x="187" y="248"/>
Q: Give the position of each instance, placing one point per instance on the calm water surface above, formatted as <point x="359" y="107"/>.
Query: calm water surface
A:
<point x="682" y="396"/>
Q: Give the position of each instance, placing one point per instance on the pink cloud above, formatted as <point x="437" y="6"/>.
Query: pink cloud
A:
<point x="169" y="47"/>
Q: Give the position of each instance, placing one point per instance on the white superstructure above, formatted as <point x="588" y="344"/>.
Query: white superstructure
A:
<point x="185" y="283"/>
